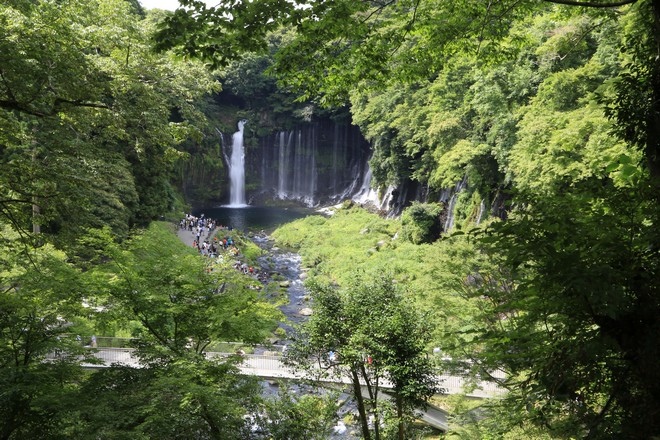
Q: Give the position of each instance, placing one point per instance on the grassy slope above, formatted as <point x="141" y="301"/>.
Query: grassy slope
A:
<point x="355" y="240"/>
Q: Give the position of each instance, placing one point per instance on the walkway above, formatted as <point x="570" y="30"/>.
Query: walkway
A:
<point x="271" y="367"/>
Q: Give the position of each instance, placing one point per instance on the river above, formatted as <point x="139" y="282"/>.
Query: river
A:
<point x="261" y="221"/>
<point x="287" y="264"/>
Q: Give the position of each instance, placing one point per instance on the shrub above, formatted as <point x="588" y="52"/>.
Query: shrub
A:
<point x="420" y="223"/>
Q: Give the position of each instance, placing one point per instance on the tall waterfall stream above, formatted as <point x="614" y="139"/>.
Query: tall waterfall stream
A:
<point x="237" y="169"/>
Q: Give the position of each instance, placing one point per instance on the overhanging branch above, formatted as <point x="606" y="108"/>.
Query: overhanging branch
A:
<point x="77" y="103"/>
<point x="13" y="105"/>
<point x="58" y="104"/>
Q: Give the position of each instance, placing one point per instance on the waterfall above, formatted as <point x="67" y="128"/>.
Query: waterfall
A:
<point x="299" y="166"/>
<point x="353" y="187"/>
<point x="313" y="163"/>
<point x="366" y="194"/>
<point x="480" y="214"/>
<point x="283" y="164"/>
<point x="460" y="186"/>
<point x="237" y="169"/>
<point x="297" y="172"/>
<point x="305" y="176"/>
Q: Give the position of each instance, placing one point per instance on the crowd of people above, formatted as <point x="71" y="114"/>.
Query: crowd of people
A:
<point x="209" y="241"/>
<point x="205" y="241"/>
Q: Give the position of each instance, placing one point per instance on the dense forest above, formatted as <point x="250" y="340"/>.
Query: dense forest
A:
<point x="539" y="118"/>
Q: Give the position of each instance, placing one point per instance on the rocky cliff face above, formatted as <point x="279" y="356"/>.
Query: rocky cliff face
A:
<point x="326" y="162"/>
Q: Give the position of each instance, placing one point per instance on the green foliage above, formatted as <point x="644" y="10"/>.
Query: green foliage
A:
<point x="40" y="298"/>
<point x="634" y="104"/>
<point x="557" y="149"/>
<point x="167" y="296"/>
<point x="87" y="111"/>
<point x="182" y="304"/>
<point x="562" y="296"/>
<point x="470" y="423"/>
<point x="186" y="399"/>
<point x="293" y="416"/>
<point x="271" y="107"/>
<point x="537" y="126"/>
<point x="576" y="307"/>
<point x="236" y="28"/>
<point x="376" y="334"/>
<point x="352" y="240"/>
<point x="420" y="223"/>
<point x="340" y="44"/>
<point x="452" y="164"/>
<point x="250" y="251"/>
<point x="332" y="246"/>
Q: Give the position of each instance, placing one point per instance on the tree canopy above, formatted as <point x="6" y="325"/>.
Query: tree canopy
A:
<point x="527" y="129"/>
<point x="370" y="333"/>
<point x="88" y="136"/>
<point x="92" y="122"/>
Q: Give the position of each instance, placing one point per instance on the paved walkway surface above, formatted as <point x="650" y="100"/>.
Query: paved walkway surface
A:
<point x="189" y="236"/>
<point x="186" y="236"/>
<point x="271" y="367"/>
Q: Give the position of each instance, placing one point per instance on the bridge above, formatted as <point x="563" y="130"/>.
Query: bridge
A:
<point x="270" y="366"/>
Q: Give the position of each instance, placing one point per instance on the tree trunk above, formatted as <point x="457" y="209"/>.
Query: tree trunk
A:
<point x="373" y="395"/>
<point x="36" y="210"/>
<point x="36" y="227"/>
<point x="399" y="414"/>
<point x="357" y="392"/>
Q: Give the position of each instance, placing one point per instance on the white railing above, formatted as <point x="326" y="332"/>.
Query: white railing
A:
<point x="271" y="366"/>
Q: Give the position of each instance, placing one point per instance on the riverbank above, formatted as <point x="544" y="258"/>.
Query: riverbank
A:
<point x="255" y="256"/>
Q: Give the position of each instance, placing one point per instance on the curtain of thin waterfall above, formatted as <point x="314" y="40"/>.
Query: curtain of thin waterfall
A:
<point x="282" y="164"/>
<point x="312" y="174"/>
<point x="449" y="221"/>
<point x="335" y="158"/>
<point x="313" y="163"/>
